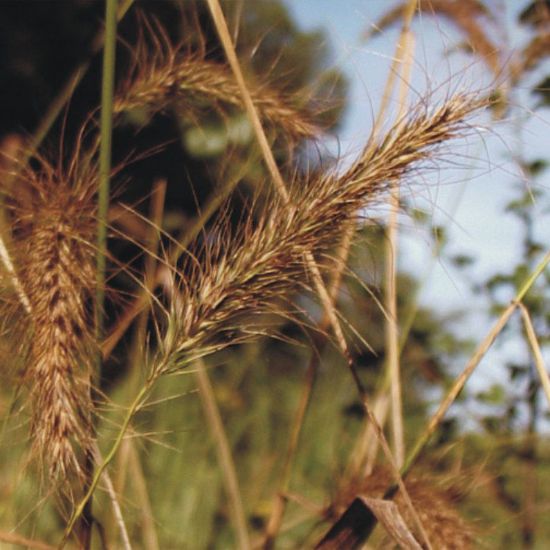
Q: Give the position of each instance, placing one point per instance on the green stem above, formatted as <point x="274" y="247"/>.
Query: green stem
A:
<point x="108" y="76"/>
<point x="365" y="518"/>
<point x="105" y="156"/>
<point x="66" y="92"/>
<point x="474" y="362"/>
<point x="106" y="461"/>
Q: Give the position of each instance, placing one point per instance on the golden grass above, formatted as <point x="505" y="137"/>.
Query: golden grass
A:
<point x="246" y="272"/>
<point x="53" y="225"/>
<point x="175" y="76"/>
<point x="226" y="283"/>
<point x="233" y="278"/>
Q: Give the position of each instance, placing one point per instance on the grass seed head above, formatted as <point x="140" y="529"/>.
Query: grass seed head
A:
<point x="164" y="75"/>
<point x="236" y="275"/>
<point x="53" y="228"/>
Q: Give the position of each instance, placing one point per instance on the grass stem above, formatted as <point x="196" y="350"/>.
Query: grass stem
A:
<point x="223" y="450"/>
<point x="223" y="31"/>
<point x="106" y="129"/>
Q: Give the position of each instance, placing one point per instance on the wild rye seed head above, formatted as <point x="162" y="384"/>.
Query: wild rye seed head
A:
<point x="165" y="75"/>
<point x="240" y="274"/>
<point x="53" y="228"/>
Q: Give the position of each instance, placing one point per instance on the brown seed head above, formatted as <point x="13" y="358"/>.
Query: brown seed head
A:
<point x="53" y="226"/>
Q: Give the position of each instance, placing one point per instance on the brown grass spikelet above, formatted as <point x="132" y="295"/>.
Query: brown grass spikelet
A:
<point x="241" y="273"/>
<point x="465" y="15"/>
<point x="53" y="227"/>
<point x="166" y="75"/>
<point x="435" y="500"/>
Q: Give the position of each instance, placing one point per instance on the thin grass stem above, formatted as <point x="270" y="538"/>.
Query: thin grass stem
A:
<point x="405" y="48"/>
<point x="19" y="540"/>
<point x="223" y="450"/>
<point x="117" y="512"/>
<point x="79" y="509"/>
<point x="106" y="129"/>
<point x="223" y="31"/>
<point x="537" y="354"/>
<point x="480" y="352"/>
<point x="148" y="528"/>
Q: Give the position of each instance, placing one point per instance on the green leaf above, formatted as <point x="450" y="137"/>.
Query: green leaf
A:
<point x="493" y="396"/>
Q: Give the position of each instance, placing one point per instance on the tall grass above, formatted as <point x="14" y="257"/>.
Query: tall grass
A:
<point x="198" y="301"/>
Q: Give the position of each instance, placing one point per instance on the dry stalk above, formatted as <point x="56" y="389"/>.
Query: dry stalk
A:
<point x="342" y="254"/>
<point x="406" y="50"/>
<point x="19" y="540"/>
<point x="537" y="353"/>
<point x="462" y="378"/>
<point x="223" y="449"/>
<point x="117" y="512"/>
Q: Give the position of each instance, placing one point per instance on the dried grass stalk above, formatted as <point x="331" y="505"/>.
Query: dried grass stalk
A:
<point x="54" y="224"/>
<point x="164" y="75"/>
<point x="244" y="273"/>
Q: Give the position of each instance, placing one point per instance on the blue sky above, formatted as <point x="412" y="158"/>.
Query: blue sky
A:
<point x="469" y="202"/>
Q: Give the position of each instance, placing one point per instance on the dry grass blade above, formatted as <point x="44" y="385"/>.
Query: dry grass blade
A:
<point x="174" y="76"/>
<point x="5" y="257"/>
<point x="117" y="512"/>
<point x="388" y="515"/>
<point x="148" y="527"/>
<point x="537" y="354"/>
<point x="18" y="540"/>
<point x="9" y="149"/>
<point x="434" y="498"/>
<point x="480" y="352"/>
<point x="406" y="47"/>
<point x="225" y="458"/>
